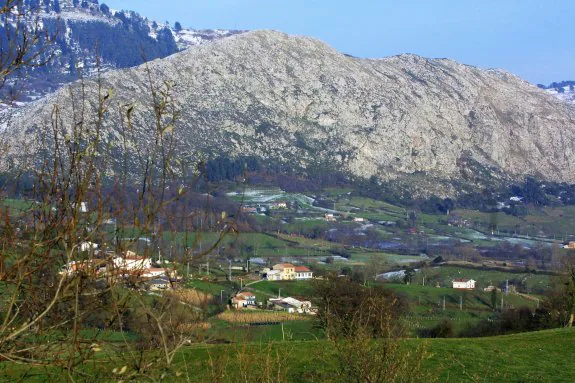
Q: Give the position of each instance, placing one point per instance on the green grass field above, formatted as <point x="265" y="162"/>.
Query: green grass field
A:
<point x="544" y="356"/>
<point x="444" y="275"/>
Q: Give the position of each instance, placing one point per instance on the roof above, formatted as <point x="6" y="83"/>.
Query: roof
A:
<point x="289" y="301"/>
<point x="160" y="281"/>
<point x="302" y="269"/>
<point x="246" y="295"/>
<point x="463" y="280"/>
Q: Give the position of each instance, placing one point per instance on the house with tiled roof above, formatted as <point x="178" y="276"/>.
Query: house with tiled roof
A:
<point x="243" y="299"/>
<point x="302" y="273"/>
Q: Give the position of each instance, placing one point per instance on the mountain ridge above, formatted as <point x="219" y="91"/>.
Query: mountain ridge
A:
<point x="298" y="101"/>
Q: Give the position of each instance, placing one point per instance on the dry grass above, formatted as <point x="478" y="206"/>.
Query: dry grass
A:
<point x="190" y="296"/>
<point x="190" y="328"/>
<point x="259" y="316"/>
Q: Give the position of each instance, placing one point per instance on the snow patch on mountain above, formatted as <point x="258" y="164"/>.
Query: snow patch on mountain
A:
<point x="567" y="95"/>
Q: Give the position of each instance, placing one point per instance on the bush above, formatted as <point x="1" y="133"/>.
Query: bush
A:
<point x="443" y="329"/>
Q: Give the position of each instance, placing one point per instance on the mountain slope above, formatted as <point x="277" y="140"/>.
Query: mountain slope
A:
<point x="297" y="101"/>
<point x="88" y="37"/>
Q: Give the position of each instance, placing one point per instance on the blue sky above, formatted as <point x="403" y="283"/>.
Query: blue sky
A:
<point x="531" y="38"/>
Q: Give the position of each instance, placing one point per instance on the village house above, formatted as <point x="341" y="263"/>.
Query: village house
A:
<point x="131" y="262"/>
<point x="330" y="218"/>
<point x="291" y="305"/>
<point x="272" y="275"/>
<point x="302" y="273"/>
<point x="359" y="219"/>
<point x="87" y="246"/>
<point x="159" y="284"/>
<point x="570" y="245"/>
<point x="287" y="271"/>
<point x="154" y="272"/>
<point x="278" y="205"/>
<point x="88" y="267"/>
<point x="243" y="299"/>
<point x="464" y="284"/>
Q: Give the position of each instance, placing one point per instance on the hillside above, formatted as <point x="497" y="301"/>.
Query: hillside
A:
<point x="88" y="36"/>
<point x="296" y="101"/>
<point x="543" y="356"/>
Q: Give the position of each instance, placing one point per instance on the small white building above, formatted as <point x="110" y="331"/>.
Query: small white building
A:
<point x="302" y="273"/>
<point x="464" y="284"/>
<point x="273" y="275"/>
<point x="87" y="246"/>
<point x="330" y="217"/>
<point x="291" y="305"/>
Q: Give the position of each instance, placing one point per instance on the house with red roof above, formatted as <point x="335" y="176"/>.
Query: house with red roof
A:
<point x="302" y="273"/>
<point x="243" y="299"/>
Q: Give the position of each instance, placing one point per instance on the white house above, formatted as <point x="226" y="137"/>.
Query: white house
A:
<point x="131" y="262"/>
<point x="464" y="284"/>
<point x="291" y="305"/>
<point x="87" y="246"/>
<point x="243" y="299"/>
<point x="281" y="272"/>
<point x="330" y="217"/>
<point x="154" y="272"/>
<point x="302" y="273"/>
<point x="273" y="275"/>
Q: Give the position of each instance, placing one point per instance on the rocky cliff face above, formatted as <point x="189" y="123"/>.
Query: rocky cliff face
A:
<point x="297" y="101"/>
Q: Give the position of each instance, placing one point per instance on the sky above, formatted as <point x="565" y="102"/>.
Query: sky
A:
<point x="531" y="38"/>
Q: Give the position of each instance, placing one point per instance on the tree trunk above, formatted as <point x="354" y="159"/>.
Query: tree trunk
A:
<point x="571" y="318"/>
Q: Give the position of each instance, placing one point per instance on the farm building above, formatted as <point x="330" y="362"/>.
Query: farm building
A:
<point x="464" y="284"/>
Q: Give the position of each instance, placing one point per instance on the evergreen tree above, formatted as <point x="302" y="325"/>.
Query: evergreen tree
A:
<point x="57" y="6"/>
<point x="105" y="9"/>
<point x="177" y="26"/>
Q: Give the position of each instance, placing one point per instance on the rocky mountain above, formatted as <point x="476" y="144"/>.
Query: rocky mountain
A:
<point x="296" y="101"/>
<point x="88" y="36"/>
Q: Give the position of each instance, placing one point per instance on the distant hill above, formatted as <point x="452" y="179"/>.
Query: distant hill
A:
<point x="91" y="36"/>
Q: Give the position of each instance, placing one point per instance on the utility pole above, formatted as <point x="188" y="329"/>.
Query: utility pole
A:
<point x="230" y="269"/>
<point x="280" y="293"/>
<point x="241" y="283"/>
<point x="424" y="280"/>
<point x="221" y="296"/>
<point x="208" y="265"/>
<point x="443" y="303"/>
<point x="461" y="303"/>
